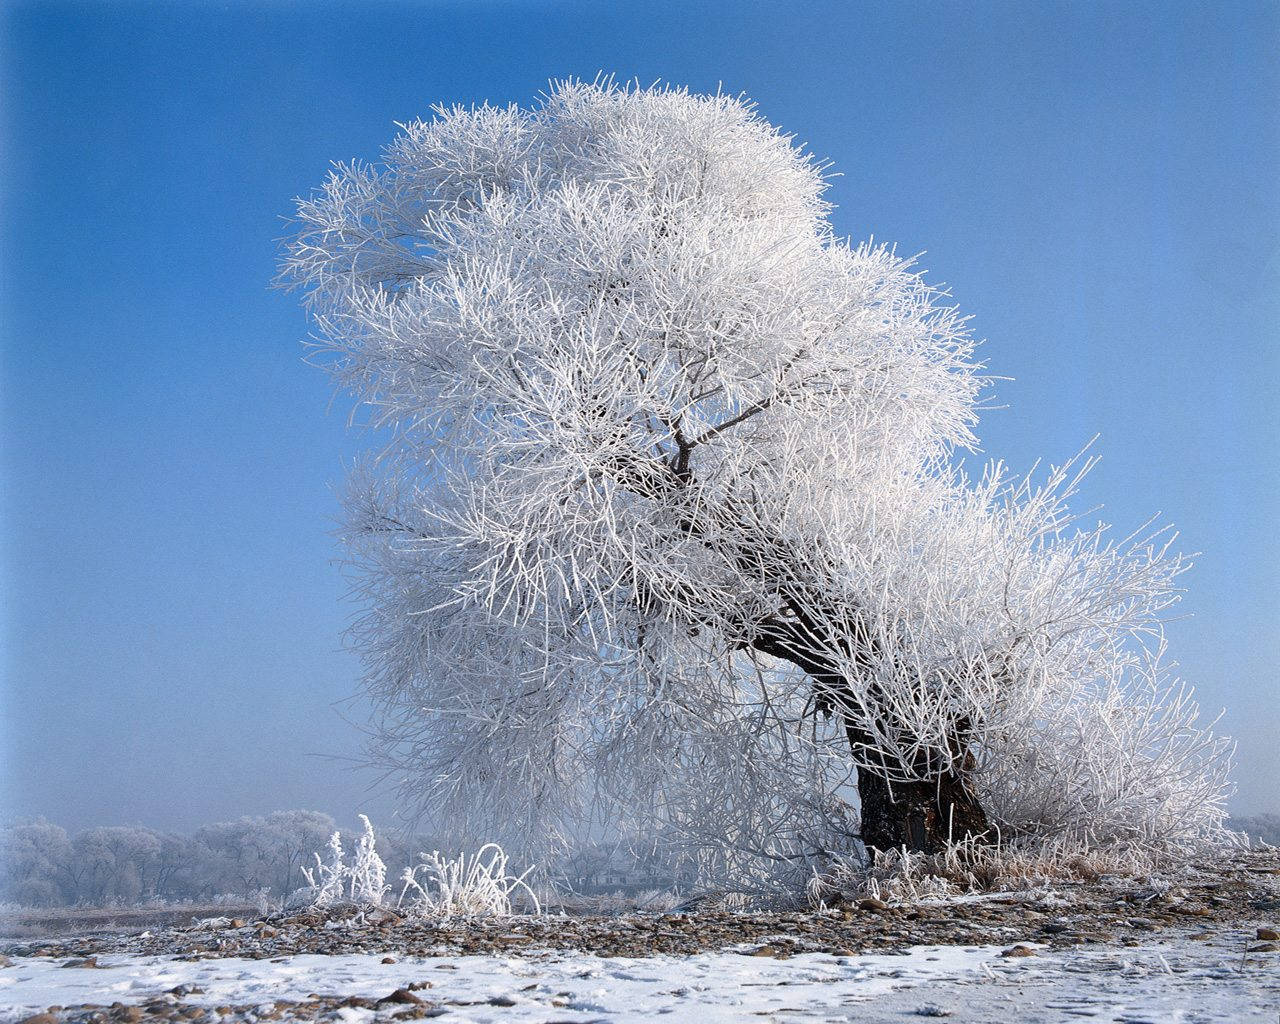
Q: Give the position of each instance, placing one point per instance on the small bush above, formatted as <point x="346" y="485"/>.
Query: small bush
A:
<point x="479" y="886"/>
<point x="439" y="888"/>
<point x="362" y="882"/>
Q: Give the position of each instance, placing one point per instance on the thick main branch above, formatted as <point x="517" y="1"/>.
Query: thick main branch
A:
<point x="937" y="804"/>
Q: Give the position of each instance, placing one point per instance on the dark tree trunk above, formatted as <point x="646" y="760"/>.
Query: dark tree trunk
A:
<point x="922" y="816"/>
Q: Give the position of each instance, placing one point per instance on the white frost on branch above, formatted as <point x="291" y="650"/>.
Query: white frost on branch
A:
<point x="653" y="440"/>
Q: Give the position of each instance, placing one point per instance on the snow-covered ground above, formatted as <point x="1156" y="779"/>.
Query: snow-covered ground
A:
<point x="1182" y="981"/>
<point x="719" y="987"/>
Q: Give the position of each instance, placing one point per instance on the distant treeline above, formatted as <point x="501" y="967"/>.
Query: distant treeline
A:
<point x="41" y="865"/>
<point x="1258" y="826"/>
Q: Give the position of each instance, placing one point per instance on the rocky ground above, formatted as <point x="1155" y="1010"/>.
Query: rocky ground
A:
<point x="1211" y="918"/>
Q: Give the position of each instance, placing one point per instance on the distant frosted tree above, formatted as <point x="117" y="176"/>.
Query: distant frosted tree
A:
<point x="40" y="865"/>
<point x="33" y="860"/>
<point x="665" y="530"/>
<point x="289" y="838"/>
<point x="115" y="863"/>
<point x="254" y="853"/>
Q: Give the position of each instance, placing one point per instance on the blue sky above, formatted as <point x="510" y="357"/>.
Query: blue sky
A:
<point x="1097" y="183"/>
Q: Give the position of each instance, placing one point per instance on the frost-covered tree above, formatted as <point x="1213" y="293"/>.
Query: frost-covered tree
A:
<point x="666" y="531"/>
<point x="40" y="865"/>
<point x="115" y="863"/>
<point x="255" y="853"/>
<point x="33" y="856"/>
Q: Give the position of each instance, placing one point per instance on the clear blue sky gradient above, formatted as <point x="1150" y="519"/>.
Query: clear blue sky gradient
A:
<point x="1099" y="184"/>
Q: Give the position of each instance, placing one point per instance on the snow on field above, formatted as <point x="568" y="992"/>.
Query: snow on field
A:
<point x="722" y="986"/>
<point x="1180" y="982"/>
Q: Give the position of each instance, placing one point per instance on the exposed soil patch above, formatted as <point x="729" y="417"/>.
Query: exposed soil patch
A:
<point x="79" y="921"/>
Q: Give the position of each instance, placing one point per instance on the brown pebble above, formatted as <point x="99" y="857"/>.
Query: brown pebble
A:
<point x="1264" y="947"/>
<point x="401" y="995"/>
<point x="871" y="903"/>
<point x="1018" y="950"/>
<point x="1270" y="934"/>
<point x="388" y="959"/>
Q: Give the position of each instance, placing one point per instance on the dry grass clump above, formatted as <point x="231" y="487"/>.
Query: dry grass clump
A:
<point x="439" y="888"/>
<point x="361" y="883"/>
<point x="974" y="866"/>
<point x="476" y="886"/>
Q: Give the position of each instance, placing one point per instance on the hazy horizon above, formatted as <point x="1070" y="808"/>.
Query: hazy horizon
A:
<point x="1096" y="183"/>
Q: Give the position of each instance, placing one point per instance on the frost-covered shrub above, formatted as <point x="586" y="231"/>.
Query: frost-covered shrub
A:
<point x="477" y="886"/>
<point x="893" y="876"/>
<point x="970" y="866"/>
<point x="438" y="887"/>
<point x="361" y="882"/>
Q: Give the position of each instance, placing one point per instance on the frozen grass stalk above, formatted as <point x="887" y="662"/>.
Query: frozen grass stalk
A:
<point x="476" y="886"/>
<point x="438" y="888"/>
<point x="361" y="883"/>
